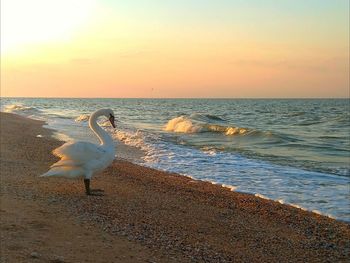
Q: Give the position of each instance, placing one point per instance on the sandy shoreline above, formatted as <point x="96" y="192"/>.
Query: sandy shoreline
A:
<point x="145" y="216"/>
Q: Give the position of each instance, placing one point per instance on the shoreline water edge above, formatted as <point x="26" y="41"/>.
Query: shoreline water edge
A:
<point x="177" y="218"/>
<point x="132" y="153"/>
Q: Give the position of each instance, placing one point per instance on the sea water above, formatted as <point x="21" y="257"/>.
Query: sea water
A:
<point x="295" y="151"/>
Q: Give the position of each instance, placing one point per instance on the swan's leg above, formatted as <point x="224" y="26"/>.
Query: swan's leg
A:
<point x="90" y="191"/>
<point x="87" y="186"/>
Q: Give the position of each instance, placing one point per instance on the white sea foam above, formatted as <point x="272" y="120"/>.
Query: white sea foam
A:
<point x="316" y="212"/>
<point x="330" y="216"/>
<point x="189" y="176"/>
<point x="304" y="209"/>
<point x="15" y="107"/>
<point x="298" y="206"/>
<point x="231" y="187"/>
<point x="137" y="139"/>
<point x="82" y="118"/>
<point x="262" y="196"/>
<point x="182" y="124"/>
<point x="129" y="138"/>
<point x="104" y="123"/>
<point x="235" y="130"/>
<point x="209" y="151"/>
<point x="199" y="123"/>
<point x="20" y="108"/>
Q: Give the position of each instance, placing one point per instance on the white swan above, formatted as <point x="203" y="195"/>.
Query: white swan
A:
<point x="84" y="159"/>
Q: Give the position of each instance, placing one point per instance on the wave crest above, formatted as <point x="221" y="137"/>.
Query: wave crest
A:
<point x="197" y="123"/>
<point x="182" y="124"/>
<point x="13" y="108"/>
<point x="82" y="118"/>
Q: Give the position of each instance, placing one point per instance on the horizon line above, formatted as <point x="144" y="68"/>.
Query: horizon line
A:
<point x="169" y="98"/>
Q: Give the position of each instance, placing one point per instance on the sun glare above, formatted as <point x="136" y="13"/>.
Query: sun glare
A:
<point x="26" y="22"/>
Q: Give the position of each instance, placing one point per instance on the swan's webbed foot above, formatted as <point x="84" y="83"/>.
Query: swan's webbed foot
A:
<point x="95" y="193"/>
<point x="89" y="191"/>
<point x="97" y="190"/>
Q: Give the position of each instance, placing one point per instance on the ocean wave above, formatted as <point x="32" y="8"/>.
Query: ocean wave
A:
<point x="60" y="116"/>
<point x="197" y="123"/>
<point x="134" y="139"/>
<point x="206" y="117"/>
<point x="20" y="108"/>
<point x="309" y="122"/>
<point x="344" y="119"/>
<point x="106" y="123"/>
<point x="182" y="124"/>
<point x="82" y="118"/>
<point x="209" y="150"/>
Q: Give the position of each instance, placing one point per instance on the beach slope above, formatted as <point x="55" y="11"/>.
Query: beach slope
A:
<point x="145" y="215"/>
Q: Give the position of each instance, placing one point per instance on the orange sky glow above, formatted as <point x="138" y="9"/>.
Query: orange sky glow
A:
<point x="165" y="49"/>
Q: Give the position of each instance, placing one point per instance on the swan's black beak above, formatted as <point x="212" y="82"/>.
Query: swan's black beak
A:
<point x="111" y="119"/>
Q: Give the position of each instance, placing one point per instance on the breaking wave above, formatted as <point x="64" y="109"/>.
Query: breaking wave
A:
<point x="19" y="108"/>
<point x="135" y="139"/>
<point x="140" y="140"/>
<point x="82" y="118"/>
<point x="197" y="123"/>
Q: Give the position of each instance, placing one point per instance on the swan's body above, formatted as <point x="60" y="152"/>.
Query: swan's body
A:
<point x="84" y="159"/>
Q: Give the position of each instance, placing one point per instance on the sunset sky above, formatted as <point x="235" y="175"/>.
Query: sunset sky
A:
<point x="183" y="48"/>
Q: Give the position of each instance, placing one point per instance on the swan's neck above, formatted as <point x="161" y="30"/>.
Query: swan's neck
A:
<point x="103" y="136"/>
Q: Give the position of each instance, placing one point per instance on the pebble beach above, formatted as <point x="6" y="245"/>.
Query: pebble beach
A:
<point x="145" y="215"/>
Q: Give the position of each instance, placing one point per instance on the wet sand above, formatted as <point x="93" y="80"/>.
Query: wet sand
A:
<point x="145" y="215"/>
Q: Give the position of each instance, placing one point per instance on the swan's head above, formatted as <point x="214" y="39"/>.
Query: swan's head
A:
<point x="109" y="115"/>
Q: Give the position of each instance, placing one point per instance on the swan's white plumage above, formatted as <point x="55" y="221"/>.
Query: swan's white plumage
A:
<point x="80" y="152"/>
<point x="84" y="159"/>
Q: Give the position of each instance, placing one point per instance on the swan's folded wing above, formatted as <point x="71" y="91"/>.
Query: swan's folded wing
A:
<point x="79" y="152"/>
<point x="65" y="162"/>
<point x="65" y="171"/>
